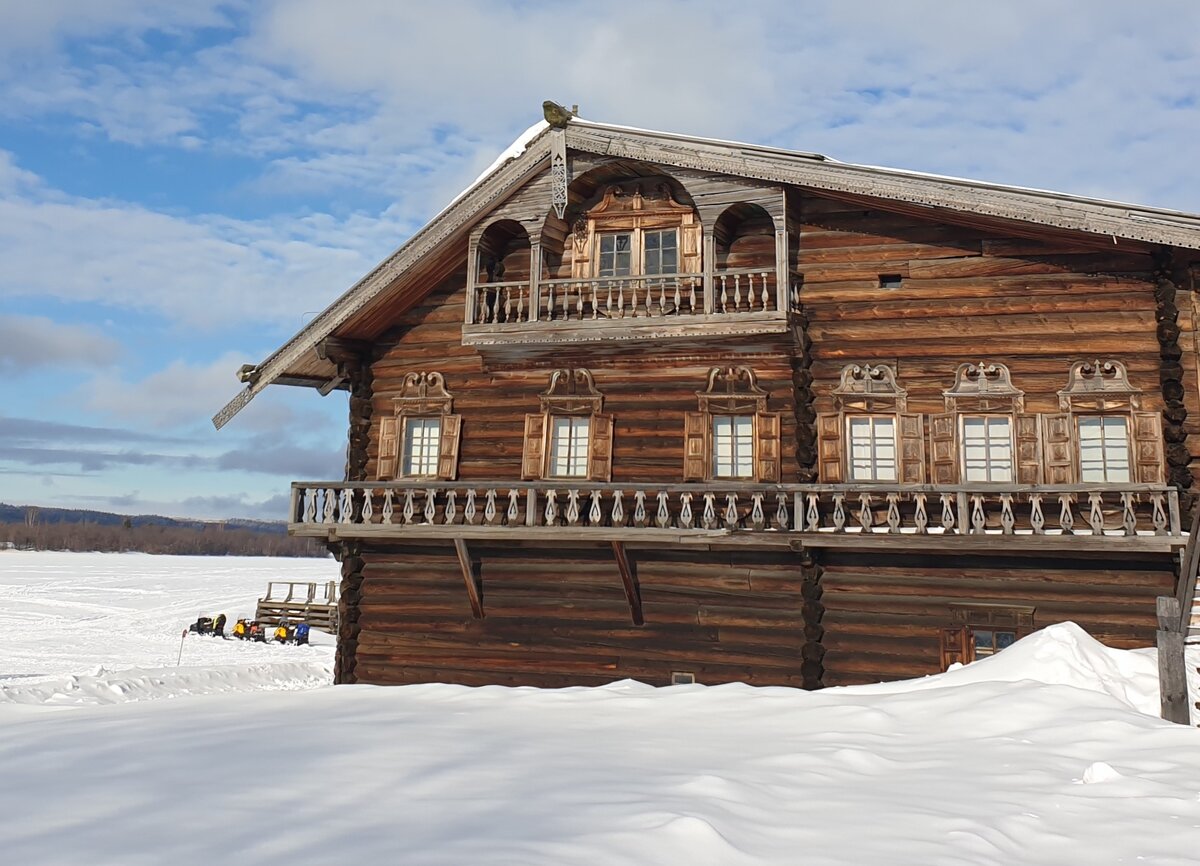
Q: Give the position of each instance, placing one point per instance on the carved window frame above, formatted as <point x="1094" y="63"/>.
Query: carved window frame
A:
<point x="422" y="395"/>
<point x="870" y="391"/>
<point x="1099" y="388"/>
<point x="570" y="393"/>
<point x="957" y="642"/>
<point x="624" y="208"/>
<point x="984" y="389"/>
<point x="732" y="391"/>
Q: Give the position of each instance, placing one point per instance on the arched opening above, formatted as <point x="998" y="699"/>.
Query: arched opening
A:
<point x="502" y="273"/>
<point x="744" y="276"/>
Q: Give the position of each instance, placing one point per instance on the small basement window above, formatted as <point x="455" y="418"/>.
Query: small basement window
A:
<point x="890" y="281"/>
<point x="682" y="678"/>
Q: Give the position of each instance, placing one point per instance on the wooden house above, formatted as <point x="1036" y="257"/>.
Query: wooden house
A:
<point x="638" y="404"/>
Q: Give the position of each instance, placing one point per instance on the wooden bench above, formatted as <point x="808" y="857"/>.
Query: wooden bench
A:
<point x="310" y="602"/>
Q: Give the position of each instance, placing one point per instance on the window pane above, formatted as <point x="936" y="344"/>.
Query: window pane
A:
<point x="614" y="255"/>
<point x="983" y="643"/>
<point x="568" y="447"/>
<point x="660" y="252"/>
<point x="1005" y="639"/>
<point x="422" y="439"/>
<point x="733" y="446"/>
<point x="873" y="448"/>
<point x="1104" y="448"/>
<point x="987" y="448"/>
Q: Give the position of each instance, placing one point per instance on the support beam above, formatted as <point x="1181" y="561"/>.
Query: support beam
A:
<point x="469" y="569"/>
<point x="633" y="593"/>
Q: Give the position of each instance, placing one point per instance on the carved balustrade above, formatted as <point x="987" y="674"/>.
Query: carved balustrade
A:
<point x="811" y="514"/>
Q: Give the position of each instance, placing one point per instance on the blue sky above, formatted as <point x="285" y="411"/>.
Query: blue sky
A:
<point x="184" y="184"/>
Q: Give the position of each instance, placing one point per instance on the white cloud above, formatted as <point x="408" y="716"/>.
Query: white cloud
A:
<point x="35" y="341"/>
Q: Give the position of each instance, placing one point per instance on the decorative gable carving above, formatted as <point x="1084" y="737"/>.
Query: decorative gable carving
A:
<point x="424" y="394"/>
<point x="984" y="387"/>
<point x="571" y="392"/>
<point x="1098" y="386"/>
<point x="869" y="388"/>
<point x="731" y="390"/>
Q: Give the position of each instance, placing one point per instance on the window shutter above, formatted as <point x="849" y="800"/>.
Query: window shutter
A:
<point x="956" y="646"/>
<point x="829" y="449"/>
<point x="767" y="446"/>
<point x="533" y="457"/>
<point x="389" y="447"/>
<point x="1029" y="448"/>
<point x="912" y="448"/>
<point x="600" y="436"/>
<point x="1058" y="454"/>
<point x="695" y="451"/>
<point x="448" y="447"/>
<point x="943" y="448"/>
<point x="1148" y="447"/>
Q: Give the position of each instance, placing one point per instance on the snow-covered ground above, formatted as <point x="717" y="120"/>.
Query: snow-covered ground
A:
<point x="1048" y="753"/>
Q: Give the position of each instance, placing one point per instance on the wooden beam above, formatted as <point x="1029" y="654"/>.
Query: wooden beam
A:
<point x="469" y="576"/>
<point x="1172" y="677"/>
<point x="633" y="593"/>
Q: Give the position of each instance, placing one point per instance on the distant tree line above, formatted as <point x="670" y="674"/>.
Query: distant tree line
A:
<point x="212" y="539"/>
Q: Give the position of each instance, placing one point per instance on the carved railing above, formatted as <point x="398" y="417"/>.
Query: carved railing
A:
<point x="1128" y="510"/>
<point x="735" y="291"/>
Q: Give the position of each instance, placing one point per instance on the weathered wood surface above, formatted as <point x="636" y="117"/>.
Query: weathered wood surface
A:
<point x="1172" y="670"/>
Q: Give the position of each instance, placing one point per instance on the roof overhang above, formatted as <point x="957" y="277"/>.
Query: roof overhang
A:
<point x="295" y="362"/>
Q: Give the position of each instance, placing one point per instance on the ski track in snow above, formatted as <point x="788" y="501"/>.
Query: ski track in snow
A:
<point x="1048" y="753"/>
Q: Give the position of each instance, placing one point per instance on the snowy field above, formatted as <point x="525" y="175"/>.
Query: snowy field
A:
<point x="1049" y="753"/>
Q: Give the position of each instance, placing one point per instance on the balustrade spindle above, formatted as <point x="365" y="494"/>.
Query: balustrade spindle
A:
<point x="1159" y="514"/>
<point x="633" y="288"/>
<point x="451" y="508"/>
<point x="1095" y="514"/>
<point x="388" y="508"/>
<point x="737" y="293"/>
<point x="663" y="516"/>
<point x="367" y="510"/>
<point x="948" y="516"/>
<point x="579" y="301"/>
<point x="1128" y="516"/>
<point x="595" y="514"/>
<point x="551" y="513"/>
<point x="639" y="508"/>
<point x="731" y="511"/>
<point x="692" y="296"/>
<point x="409" y="506"/>
<point x="346" y="506"/>
<point x="865" y="516"/>
<point x="676" y="298"/>
<point x="1066" y="521"/>
<point x="572" y="508"/>
<point x="758" y="519"/>
<point x="839" y="512"/>
<point x="430" y="505"/>
<point x="310" y="505"/>
<point x="595" y="300"/>
<point x="920" y="515"/>
<point x="618" y="509"/>
<point x="812" y="515"/>
<point x="1007" y="519"/>
<point x="978" y="519"/>
<point x="550" y="301"/>
<point x="513" y="515"/>
<point x="765" y="295"/>
<point x="893" y="512"/>
<point x="489" y="508"/>
<point x="709" y="518"/>
<point x="685" y="511"/>
<point x="469" y="509"/>
<point x="1036" y="518"/>
<point x="724" y="296"/>
<point x="781" y="512"/>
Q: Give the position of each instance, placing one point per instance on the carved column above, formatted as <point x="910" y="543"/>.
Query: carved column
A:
<point x="708" y="264"/>
<point x="1178" y="458"/>
<point x="535" y="278"/>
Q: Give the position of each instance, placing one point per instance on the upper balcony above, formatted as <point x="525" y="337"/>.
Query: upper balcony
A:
<point x="633" y="260"/>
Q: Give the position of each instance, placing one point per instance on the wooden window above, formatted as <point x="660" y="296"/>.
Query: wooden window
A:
<point x="872" y="441"/>
<point x="568" y="457"/>
<point x="422" y="442"/>
<point x="616" y="255"/>
<point x="733" y="446"/>
<point x="682" y="678"/>
<point x="890" y="281"/>
<point x="732" y="436"/>
<point x="1104" y="448"/>
<point x="660" y="252"/>
<point x="987" y="448"/>
<point x="982" y="630"/>
<point x="569" y="438"/>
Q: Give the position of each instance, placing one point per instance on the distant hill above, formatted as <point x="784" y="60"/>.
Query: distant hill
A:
<point x="38" y="528"/>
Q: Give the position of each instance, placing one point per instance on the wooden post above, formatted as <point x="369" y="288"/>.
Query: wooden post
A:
<point x="1172" y="678"/>
<point x="472" y="272"/>
<point x="782" y="281"/>
<point x="535" y="279"/>
<point x="468" y="570"/>
<point x="707" y="265"/>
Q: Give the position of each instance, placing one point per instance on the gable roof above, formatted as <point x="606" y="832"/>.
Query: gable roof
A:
<point x="295" y="361"/>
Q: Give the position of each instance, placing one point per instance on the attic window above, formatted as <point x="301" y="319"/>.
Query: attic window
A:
<point x="890" y="281"/>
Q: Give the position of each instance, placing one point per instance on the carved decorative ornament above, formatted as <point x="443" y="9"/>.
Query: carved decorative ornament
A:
<point x="424" y="394"/>
<point x="732" y="389"/>
<point x="1099" y="385"/>
<point x="869" y="387"/>
<point x="559" y="176"/>
<point x="572" y="392"/>
<point x="984" y="386"/>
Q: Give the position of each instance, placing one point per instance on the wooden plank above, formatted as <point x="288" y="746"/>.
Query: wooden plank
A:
<point x="1172" y="675"/>
<point x="469" y="577"/>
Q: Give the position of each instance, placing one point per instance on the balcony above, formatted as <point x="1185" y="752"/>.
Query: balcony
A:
<point x="741" y="302"/>
<point x="1142" y="518"/>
